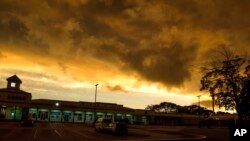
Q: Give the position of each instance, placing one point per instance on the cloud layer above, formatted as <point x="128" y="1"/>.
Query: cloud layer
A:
<point x="110" y="40"/>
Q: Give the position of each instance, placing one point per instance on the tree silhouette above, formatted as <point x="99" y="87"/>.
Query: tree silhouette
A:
<point x="228" y="84"/>
<point x="168" y="107"/>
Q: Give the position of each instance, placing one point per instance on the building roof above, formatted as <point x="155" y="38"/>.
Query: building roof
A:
<point x="80" y="104"/>
<point x="16" y="91"/>
<point x="14" y="78"/>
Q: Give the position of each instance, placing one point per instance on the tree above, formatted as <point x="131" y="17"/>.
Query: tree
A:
<point x="228" y="84"/>
<point x="166" y="107"/>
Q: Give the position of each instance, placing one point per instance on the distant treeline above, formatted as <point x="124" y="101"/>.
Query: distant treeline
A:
<point x="168" y="107"/>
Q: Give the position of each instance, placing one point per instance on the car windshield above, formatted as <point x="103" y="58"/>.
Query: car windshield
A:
<point x="107" y="121"/>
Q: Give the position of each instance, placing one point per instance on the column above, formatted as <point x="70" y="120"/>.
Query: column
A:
<point x="15" y="112"/>
<point x="61" y="115"/>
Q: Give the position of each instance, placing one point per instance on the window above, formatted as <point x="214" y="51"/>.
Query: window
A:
<point x="79" y="117"/>
<point x="12" y="84"/>
<point x="12" y="97"/>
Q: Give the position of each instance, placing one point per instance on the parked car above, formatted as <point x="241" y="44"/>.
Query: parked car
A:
<point x="106" y="125"/>
<point x="27" y="123"/>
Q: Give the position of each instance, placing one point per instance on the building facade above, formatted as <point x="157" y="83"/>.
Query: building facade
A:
<point x="17" y="104"/>
<point x="14" y="102"/>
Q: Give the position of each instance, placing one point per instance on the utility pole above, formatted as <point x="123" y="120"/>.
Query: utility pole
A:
<point x="199" y="96"/>
<point x="95" y="101"/>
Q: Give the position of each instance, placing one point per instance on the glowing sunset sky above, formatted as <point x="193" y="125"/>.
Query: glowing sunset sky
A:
<point x="139" y="52"/>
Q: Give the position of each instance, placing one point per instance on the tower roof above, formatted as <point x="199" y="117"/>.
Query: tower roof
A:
<point x="14" y="78"/>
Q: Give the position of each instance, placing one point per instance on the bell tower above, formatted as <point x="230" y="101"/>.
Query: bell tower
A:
<point x="14" y="82"/>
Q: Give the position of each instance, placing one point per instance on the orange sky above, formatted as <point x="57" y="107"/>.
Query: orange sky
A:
<point x="140" y="52"/>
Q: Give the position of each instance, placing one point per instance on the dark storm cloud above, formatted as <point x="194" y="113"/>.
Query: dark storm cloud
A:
<point x="106" y="7"/>
<point x="116" y="88"/>
<point x="214" y="14"/>
<point x="159" y="40"/>
<point x="92" y="21"/>
<point x="15" y="33"/>
<point x="168" y="65"/>
<point x="12" y="29"/>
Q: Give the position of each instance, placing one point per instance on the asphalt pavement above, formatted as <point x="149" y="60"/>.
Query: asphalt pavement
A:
<point x="46" y="131"/>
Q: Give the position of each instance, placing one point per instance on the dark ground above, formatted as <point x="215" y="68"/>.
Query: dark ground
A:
<point x="12" y="131"/>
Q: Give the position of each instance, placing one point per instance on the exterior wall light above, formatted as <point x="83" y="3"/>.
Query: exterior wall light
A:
<point x="57" y="104"/>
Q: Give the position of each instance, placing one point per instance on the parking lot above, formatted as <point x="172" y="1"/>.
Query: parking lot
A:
<point x="45" y="131"/>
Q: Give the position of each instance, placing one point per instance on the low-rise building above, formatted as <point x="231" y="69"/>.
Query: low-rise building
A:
<point x="17" y="104"/>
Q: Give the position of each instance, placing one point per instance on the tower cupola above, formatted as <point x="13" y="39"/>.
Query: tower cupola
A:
<point x="14" y="82"/>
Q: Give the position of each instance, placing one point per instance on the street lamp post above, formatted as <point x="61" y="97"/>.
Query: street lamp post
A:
<point x="95" y="101"/>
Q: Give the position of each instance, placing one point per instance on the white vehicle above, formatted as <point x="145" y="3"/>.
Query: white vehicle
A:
<point x="106" y="125"/>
